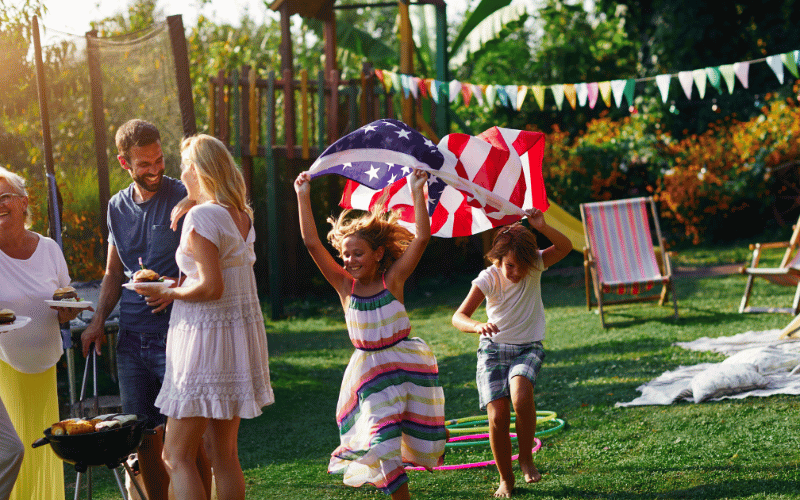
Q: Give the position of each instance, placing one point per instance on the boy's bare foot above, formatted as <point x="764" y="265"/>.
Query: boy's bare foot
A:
<point x="530" y="472"/>
<point x="505" y="490"/>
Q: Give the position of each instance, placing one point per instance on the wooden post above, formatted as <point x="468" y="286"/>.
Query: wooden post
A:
<point x="212" y="107"/>
<point x="406" y="59"/>
<point x="304" y="104"/>
<point x="289" y="115"/>
<point x="253" y="111"/>
<point x="442" y="71"/>
<point x="273" y="242"/>
<point x="243" y="142"/>
<point x="99" y="125"/>
<point x="222" y="109"/>
<point x="180" y="55"/>
<point x="44" y="113"/>
<point x="333" y="110"/>
<point x="235" y="105"/>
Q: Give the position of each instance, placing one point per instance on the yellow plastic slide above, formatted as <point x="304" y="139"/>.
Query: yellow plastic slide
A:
<point x="572" y="228"/>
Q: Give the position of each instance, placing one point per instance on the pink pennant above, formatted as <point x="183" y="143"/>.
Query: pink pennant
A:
<point x="742" y="70"/>
<point x="594" y="93"/>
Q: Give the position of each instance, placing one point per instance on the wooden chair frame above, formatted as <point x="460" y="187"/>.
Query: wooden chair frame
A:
<point x="786" y="274"/>
<point x="662" y="259"/>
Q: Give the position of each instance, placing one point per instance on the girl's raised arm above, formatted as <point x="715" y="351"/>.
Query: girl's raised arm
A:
<point x="333" y="272"/>
<point x="397" y="275"/>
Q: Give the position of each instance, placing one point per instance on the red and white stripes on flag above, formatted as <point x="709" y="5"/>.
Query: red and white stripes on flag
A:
<point x="486" y="181"/>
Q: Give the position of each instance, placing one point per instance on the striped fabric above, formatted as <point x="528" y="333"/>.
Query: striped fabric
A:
<point x="391" y="408"/>
<point x="622" y="245"/>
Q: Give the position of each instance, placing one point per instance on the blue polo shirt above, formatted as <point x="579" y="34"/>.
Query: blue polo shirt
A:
<point x="142" y="230"/>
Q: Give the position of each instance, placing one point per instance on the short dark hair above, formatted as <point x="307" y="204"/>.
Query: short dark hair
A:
<point x="135" y="132"/>
<point x="516" y="239"/>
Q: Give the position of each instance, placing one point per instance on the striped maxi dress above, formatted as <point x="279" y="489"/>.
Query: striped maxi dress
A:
<point x="391" y="408"/>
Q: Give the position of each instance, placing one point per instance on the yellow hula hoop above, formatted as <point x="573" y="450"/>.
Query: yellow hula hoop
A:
<point x="466" y="425"/>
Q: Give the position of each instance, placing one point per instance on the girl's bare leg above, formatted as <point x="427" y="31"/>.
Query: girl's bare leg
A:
<point x="525" y="408"/>
<point x="499" y="413"/>
<point x="224" y="456"/>
<point x="181" y="447"/>
<point x="402" y="493"/>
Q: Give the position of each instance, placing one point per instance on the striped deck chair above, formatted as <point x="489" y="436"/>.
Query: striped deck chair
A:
<point x="786" y="274"/>
<point x="620" y="254"/>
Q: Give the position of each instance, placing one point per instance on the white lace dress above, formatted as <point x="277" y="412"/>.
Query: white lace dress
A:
<point x="217" y="361"/>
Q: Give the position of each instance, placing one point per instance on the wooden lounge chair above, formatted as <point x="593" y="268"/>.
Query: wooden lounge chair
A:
<point x="620" y="253"/>
<point x="786" y="274"/>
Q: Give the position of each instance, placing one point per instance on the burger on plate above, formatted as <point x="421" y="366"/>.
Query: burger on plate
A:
<point x="146" y="276"/>
<point x="7" y="316"/>
<point x="66" y="293"/>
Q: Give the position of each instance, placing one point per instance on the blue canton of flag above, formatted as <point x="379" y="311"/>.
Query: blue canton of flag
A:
<point x="378" y="154"/>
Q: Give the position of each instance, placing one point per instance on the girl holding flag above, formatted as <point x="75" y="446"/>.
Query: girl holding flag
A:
<point x="391" y="408"/>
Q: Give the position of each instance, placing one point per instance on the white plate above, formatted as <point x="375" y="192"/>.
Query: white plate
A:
<point x="69" y="303"/>
<point x="149" y="284"/>
<point x="18" y="323"/>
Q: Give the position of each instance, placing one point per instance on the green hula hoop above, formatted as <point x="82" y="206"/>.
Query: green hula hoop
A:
<point x="462" y="428"/>
<point x="541" y="416"/>
<point x="540" y="434"/>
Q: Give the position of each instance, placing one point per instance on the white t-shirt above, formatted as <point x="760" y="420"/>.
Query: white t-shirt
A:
<point x="24" y="286"/>
<point x="515" y="308"/>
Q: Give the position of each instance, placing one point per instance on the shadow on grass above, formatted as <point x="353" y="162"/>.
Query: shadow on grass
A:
<point x="721" y="489"/>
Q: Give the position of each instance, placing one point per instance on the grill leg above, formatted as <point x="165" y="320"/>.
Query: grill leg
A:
<point x="120" y="485"/>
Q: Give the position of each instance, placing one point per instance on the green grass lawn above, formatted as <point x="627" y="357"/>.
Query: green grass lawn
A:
<point x="729" y="449"/>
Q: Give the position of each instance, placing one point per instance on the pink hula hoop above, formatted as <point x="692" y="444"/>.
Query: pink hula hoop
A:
<point x="536" y="445"/>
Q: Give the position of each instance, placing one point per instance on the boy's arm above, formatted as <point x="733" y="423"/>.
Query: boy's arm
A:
<point x="462" y="319"/>
<point x="561" y="245"/>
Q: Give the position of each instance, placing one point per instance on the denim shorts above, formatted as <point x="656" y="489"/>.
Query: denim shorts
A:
<point x="499" y="363"/>
<point x="141" y="362"/>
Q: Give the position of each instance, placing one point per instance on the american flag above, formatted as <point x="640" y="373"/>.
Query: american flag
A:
<point x="476" y="182"/>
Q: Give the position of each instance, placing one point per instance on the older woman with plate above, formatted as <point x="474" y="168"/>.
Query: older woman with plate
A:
<point x="31" y="268"/>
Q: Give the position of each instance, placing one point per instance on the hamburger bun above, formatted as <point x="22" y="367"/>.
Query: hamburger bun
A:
<point x="145" y="276"/>
<point x="7" y="316"/>
<point x="65" y="293"/>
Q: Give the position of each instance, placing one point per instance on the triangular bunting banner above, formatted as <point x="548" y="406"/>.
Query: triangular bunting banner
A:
<point x="477" y="91"/>
<point x="729" y="76"/>
<point x="435" y="91"/>
<point x="790" y="63"/>
<point x="538" y="95"/>
<point x="605" y="92"/>
<point x="663" y="85"/>
<point x="776" y="64"/>
<point x="454" y="90"/>
<point x="523" y="91"/>
<point x="466" y="93"/>
<point x="582" y="91"/>
<point x="593" y="92"/>
<point x="687" y="80"/>
<point x="491" y="94"/>
<point x="630" y="88"/>
<point x="558" y="95"/>
<point x="699" y="76"/>
<point x="618" y="88"/>
<point x="714" y="77"/>
<point x="742" y="70"/>
<point x="511" y="94"/>
<point x="570" y="94"/>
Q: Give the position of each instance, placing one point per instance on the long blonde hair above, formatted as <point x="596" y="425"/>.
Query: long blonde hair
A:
<point x="377" y="228"/>
<point x="217" y="172"/>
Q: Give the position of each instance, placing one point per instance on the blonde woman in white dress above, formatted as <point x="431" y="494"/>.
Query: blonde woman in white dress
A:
<point x="217" y="364"/>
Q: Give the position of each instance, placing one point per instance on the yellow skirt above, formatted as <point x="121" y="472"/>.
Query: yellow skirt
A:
<point x="32" y="404"/>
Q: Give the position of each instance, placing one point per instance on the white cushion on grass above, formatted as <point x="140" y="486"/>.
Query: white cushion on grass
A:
<point x="766" y="359"/>
<point x="724" y="379"/>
